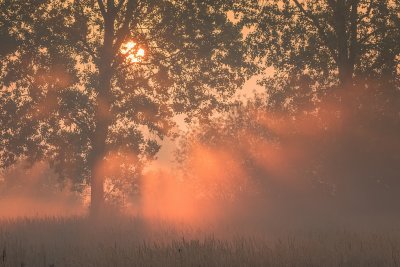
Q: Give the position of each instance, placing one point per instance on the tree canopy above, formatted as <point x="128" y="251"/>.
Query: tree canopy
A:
<point x="93" y="86"/>
<point x="71" y="96"/>
<point x="315" y="46"/>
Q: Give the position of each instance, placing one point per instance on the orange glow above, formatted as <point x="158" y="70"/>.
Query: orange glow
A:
<point x="34" y="195"/>
<point x="132" y="52"/>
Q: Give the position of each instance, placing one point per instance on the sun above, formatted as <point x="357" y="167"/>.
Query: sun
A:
<point x="133" y="53"/>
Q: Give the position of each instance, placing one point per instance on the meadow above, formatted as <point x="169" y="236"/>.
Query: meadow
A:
<point x="119" y="241"/>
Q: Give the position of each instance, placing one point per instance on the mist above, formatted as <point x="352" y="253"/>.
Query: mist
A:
<point x="199" y="133"/>
<point x="332" y="164"/>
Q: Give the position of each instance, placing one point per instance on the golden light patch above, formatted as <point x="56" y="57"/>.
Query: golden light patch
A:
<point x="132" y="52"/>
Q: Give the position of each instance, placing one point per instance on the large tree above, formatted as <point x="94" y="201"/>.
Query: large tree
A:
<point x="335" y="73"/>
<point x="313" y="46"/>
<point x="85" y="82"/>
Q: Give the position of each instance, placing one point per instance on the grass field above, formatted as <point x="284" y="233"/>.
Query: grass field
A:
<point x="134" y="242"/>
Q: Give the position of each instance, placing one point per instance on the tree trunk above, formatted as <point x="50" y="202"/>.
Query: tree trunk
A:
<point x="98" y="154"/>
<point x="103" y="117"/>
<point x="346" y="28"/>
<point x="99" y="146"/>
<point x="345" y="68"/>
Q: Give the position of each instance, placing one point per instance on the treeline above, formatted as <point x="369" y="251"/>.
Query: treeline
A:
<point x="328" y="122"/>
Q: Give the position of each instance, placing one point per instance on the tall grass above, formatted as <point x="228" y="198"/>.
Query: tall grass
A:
<point x="134" y="242"/>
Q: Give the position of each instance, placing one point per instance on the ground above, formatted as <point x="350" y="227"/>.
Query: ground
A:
<point x="121" y="241"/>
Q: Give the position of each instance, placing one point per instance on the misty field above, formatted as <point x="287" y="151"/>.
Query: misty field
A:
<point x="199" y="133"/>
<point x="135" y="242"/>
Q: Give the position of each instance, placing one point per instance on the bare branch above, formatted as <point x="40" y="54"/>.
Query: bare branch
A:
<point x="119" y="5"/>
<point x="102" y="8"/>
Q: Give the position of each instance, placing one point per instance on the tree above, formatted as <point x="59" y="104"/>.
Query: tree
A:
<point x="90" y="79"/>
<point x="336" y="67"/>
<point x="314" y="46"/>
<point x="222" y="159"/>
<point x="311" y="162"/>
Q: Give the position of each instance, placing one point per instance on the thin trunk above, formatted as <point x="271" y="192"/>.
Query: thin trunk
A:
<point x="353" y="37"/>
<point x="346" y="28"/>
<point x="345" y="50"/>
<point x="344" y="65"/>
<point x="388" y="53"/>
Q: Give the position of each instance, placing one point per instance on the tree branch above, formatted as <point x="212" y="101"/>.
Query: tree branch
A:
<point x="354" y="45"/>
<point x="119" y="5"/>
<point x="368" y="12"/>
<point x="352" y="2"/>
<point x="102" y="8"/>
<point x="316" y="24"/>
<point x="375" y="32"/>
<point x="88" y="49"/>
<point x="332" y="4"/>
<point x="124" y="29"/>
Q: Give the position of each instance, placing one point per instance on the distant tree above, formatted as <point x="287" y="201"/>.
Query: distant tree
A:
<point x="224" y="157"/>
<point x="313" y="46"/>
<point x="313" y="161"/>
<point x="84" y="82"/>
